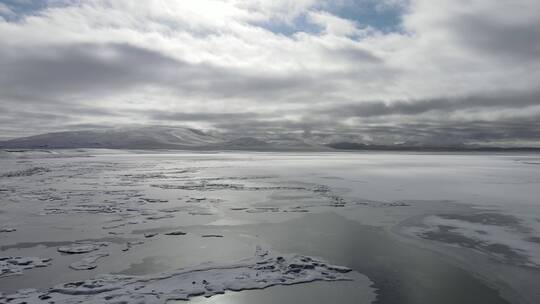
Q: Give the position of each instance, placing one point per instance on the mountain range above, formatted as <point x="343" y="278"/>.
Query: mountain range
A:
<point x="155" y="137"/>
<point x="183" y="138"/>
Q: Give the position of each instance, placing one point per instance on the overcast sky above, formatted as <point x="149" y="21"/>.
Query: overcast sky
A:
<point x="386" y="71"/>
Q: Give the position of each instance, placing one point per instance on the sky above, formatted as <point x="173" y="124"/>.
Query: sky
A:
<point x="445" y="72"/>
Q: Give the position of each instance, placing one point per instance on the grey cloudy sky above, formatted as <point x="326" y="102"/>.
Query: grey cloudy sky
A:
<point x="445" y="71"/>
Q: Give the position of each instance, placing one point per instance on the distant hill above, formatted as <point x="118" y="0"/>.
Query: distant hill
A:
<point x="351" y="146"/>
<point x="182" y="138"/>
<point x="153" y="137"/>
<point x="116" y="138"/>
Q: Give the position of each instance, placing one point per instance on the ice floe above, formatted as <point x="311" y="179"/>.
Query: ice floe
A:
<point x="263" y="270"/>
<point x="15" y="265"/>
<point x="90" y="261"/>
<point x="130" y="244"/>
<point x="153" y="200"/>
<point x="26" y="172"/>
<point x="78" y="248"/>
<point x="175" y="233"/>
<point x="204" y="186"/>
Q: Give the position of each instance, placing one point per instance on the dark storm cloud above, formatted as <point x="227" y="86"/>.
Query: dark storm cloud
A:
<point x="62" y="83"/>
<point x="41" y="116"/>
<point x="515" y="41"/>
<point x="200" y="116"/>
<point x="94" y="70"/>
<point x="329" y="125"/>
<point x="279" y="126"/>
<point x="458" y="132"/>
<point x="46" y="78"/>
<point x="82" y="68"/>
<point x="525" y="128"/>
<point x="416" y="107"/>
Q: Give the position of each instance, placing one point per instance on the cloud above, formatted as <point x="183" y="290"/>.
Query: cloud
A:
<point x="364" y="69"/>
<point x="5" y="10"/>
<point x="200" y="116"/>
<point x="81" y="68"/>
<point x="446" y="105"/>
<point x="334" y="25"/>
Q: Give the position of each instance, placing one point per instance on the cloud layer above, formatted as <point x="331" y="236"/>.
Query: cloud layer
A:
<point x="438" y="72"/>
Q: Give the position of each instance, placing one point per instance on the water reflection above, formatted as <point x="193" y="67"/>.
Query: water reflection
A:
<point x="351" y="292"/>
<point x="401" y="273"/>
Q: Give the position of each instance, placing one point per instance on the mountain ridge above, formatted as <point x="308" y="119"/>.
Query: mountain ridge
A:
<point x="154" y="137"/>
<point x="184" y="138"/>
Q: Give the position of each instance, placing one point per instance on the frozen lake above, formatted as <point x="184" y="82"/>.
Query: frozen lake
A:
<point x="273" y="227"/>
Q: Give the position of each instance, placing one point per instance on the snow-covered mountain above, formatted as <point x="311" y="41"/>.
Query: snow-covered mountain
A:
<point x="152" y="137"/>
